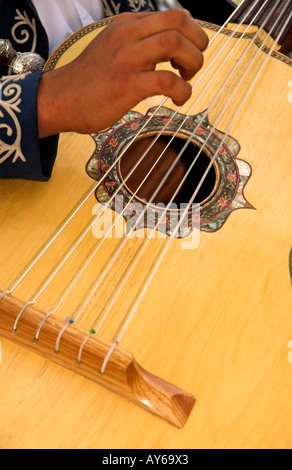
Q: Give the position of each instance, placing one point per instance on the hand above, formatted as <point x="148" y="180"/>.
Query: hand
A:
<point x="118" y="70"/>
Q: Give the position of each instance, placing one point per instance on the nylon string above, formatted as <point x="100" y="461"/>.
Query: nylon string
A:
<point x="116" y="296"/>
<point x="117" y="341"/>
<point x="113" y="260"/>
<point x="108" y="171"/>
<point x="31" y="302"/>
<point x="91" y="191"/>
<point x="15" y="326"/>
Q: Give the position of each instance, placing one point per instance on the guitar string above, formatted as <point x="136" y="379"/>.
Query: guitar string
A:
<point x="118" y="340"/>
<point x="95" y="187"/>
<point x="152" y="274"/>
<point x="43" y="322"/>
<point x="71" y="319"/>
<point x="110" y="229"/>
<point x="93" y="291"/>
<point x="31" y="302"/>
<point x="93" y="328"/>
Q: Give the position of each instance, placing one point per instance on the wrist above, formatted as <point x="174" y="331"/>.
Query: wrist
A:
<point x="53" y="103"/>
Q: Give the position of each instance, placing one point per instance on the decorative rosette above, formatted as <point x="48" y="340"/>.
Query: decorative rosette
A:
<point x="226" y="197"/>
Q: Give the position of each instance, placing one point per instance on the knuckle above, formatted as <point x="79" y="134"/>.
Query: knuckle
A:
<point x="205" y="41"/>
<point x="121" y="17"/>
<point x="166" y="82"/>
<point x="118" y="30"/>
<point x="200" y="61"/>
<point x="118" y="34"/>
<point x="171" y="40"/>
<point x="177" y="17"/>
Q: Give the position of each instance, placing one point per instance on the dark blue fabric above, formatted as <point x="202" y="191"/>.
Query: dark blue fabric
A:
<point x="12" y="15"/>
<point x="19" y="22"/>
<point x="113" y="7"/>
<point x="38" y="156"/>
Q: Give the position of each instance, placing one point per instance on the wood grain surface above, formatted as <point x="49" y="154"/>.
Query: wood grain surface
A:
<point x="216" y="320"/>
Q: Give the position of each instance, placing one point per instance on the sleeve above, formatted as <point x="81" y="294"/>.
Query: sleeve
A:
<point x="22" y="154"/>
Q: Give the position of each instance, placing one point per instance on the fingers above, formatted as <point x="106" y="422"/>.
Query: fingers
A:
<point x="171" y="36"/>
<point x="168" y="46"/>
<point x="119" y="66"/>
<point x="143" y="25"/>
<point x="163" y="83"/>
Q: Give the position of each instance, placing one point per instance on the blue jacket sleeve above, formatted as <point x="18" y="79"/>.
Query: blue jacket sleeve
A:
<point x="22" y="154"/>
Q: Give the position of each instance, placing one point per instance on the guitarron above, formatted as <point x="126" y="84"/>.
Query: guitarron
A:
<point x="146" y="296"/>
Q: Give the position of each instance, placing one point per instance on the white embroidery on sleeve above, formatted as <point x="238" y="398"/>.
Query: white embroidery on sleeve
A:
<point x="10" y="100"/>
<point x="112" y="7"/>
<point x="112" y="10"/>
<point x="136" y="5"/>
<point x="23" y="35"/>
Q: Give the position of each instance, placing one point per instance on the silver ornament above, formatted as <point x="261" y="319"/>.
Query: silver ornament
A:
<point x="7" y="52"/>
<point x="19" y="62"/>
<point x="26" y="62"/>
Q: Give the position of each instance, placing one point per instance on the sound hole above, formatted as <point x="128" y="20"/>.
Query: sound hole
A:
<point x="152" y="182"/>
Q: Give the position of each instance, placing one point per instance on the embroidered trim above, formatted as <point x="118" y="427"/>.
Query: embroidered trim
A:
<point x="112" y="8"/>
<point x="24" y="35"/>
<point x="107" y="9"/>
<point x="136" y="5"/>
<point x="11" y="91"/>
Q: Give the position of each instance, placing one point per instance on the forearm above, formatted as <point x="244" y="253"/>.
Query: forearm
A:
<point x="53" y="104"/>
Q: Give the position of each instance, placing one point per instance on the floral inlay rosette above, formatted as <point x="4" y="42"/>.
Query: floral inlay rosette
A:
<point x="227" y="196"/>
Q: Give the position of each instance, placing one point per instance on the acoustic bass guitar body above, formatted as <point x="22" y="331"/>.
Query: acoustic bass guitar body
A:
<point x="137" y="324"/>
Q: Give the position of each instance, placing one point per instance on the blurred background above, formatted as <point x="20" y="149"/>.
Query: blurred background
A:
<point x="214" y="11"/>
